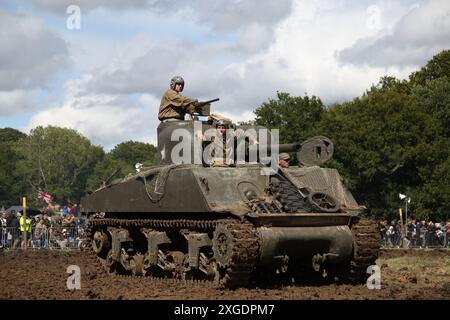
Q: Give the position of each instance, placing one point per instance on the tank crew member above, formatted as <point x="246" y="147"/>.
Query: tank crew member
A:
<point x="222" y="144"/>
<point x="173" y="105"/>
<point x="284" y="160"/>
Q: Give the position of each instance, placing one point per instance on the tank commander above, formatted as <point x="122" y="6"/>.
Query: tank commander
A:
<point x="222" y="144"/>
<point x="284" y="160"/>
<point x="173" y="105"/>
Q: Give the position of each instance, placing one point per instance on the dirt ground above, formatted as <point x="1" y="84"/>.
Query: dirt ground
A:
<point x="405" y="274"/>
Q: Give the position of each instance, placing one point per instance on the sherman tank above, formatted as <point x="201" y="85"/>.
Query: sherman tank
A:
<point x="234" y="224"/>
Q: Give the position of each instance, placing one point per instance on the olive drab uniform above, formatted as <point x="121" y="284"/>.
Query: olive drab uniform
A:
<point x="174" y="106"/>
<point x="222" y="147"/>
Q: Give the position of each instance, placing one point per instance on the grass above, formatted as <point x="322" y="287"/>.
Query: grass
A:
<point x="420" y="266"/>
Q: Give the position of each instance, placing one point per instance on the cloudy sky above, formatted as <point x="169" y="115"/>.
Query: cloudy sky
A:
<point x="105" y="78"/>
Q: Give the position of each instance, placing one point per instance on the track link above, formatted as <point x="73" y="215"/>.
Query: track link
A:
<point x="366" y="246"/>
<point x="245" y="253"/>
<point x="245" y="247"/>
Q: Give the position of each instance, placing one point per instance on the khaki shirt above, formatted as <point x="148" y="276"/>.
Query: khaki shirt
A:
<point x="222" y="147"/>
<point x="173" y="105"/>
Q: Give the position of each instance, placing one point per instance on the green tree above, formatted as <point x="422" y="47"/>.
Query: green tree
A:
<point x="437" y="67"/>
<point x="123" y="157"/>
<point x="57" y="160"/>
<point x="395" y="138"/>
<point x="11" y="135"/>
<point x="382" y="144"/>
<point x="10" y="187"/>
<point x="295" y="117"/>
<point x="131" y="152"/>
<point x="435" y="97"/>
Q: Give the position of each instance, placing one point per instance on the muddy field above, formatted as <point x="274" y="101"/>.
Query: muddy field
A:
<point x="412" y="274"/>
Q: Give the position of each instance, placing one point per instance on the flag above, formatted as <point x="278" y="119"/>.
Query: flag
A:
<point x="45" y="196"/>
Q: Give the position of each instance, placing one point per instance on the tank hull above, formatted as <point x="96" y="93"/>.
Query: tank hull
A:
<point x="225" y="224"/>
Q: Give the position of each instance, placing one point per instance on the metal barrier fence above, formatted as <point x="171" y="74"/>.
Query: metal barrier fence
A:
<point x="59" y="237"/>
<point x="51" y="238"/>
<point x="421" y="240"/>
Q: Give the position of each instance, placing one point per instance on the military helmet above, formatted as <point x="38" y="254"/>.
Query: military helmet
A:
<point x="176" y="80"/>
<point x="284" y="156"/>
<point x="222" y="122"/>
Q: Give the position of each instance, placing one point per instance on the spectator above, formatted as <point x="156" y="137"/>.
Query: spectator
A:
<point x="65" y="211"/>
<point x="26" y="229"/>
<point x="68" y="221"/>
<point x="411" y="232"/>
<point x="423" y="234"/>
<point x="40" y="233"/>
<point x="418" y="234"/>
<point x="77" y="210"/>
<point x="441" y="232"/>
<point x="390" y="233"/>
<point x="71" y="209"/>
<point x="63" y="239"/>
<point x="430" y="234"/>
<point x="13" y="228"/>
<point x="46" y="220"/>
<point x="3" y="230"/>
<point x="383" y="230"/>
<point x="447" y="242"/>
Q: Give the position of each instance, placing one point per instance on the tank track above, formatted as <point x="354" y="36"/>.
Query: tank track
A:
<point x="245" y="253"/>
<point x="237" y="273"/>
<point x="366" y="246"/>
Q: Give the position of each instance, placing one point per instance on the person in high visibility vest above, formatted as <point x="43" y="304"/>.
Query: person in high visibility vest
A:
<point x="22" y="228"/>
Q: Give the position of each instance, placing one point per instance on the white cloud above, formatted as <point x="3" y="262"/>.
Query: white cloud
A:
<point x="222" y="15"/>
<point x="416" y="38"/>
<point x="105" y="119"/>
<point x="302" y="59"/>
<point x="30" y="54"/>
<point x="15" y="102"/>
<point x="117" y="96"/>
<point x="60" y="6"/>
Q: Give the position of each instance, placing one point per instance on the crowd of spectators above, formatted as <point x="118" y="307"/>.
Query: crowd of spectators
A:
<point x="419" y="233"/>
<point x="54" y="227"/>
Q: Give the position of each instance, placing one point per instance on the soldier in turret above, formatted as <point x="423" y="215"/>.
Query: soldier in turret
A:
<point x="173" y="105"/>
<point x="223" y="143"/>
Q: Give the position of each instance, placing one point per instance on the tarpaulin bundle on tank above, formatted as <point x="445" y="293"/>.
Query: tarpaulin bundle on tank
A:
<point x="322" y="180"/>
<point x="155" y="179"/>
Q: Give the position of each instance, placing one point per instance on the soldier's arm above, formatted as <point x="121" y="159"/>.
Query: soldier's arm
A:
<point x="178" y="100"/>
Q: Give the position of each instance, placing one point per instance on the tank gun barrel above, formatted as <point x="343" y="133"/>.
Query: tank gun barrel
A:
<point x="287" y="147"/>
<point x="312" y="152"/>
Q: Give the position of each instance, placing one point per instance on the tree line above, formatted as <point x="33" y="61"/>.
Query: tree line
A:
<point x="61" y="162"/>
<point x="393" y="139"/>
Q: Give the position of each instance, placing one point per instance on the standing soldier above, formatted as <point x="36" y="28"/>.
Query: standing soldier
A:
<point x="174" y="106"/>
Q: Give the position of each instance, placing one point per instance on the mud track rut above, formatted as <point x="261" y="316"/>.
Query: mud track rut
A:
<point x="41" y="274"/>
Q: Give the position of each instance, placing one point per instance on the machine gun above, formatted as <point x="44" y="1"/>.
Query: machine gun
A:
<point x="203" y="108"/>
